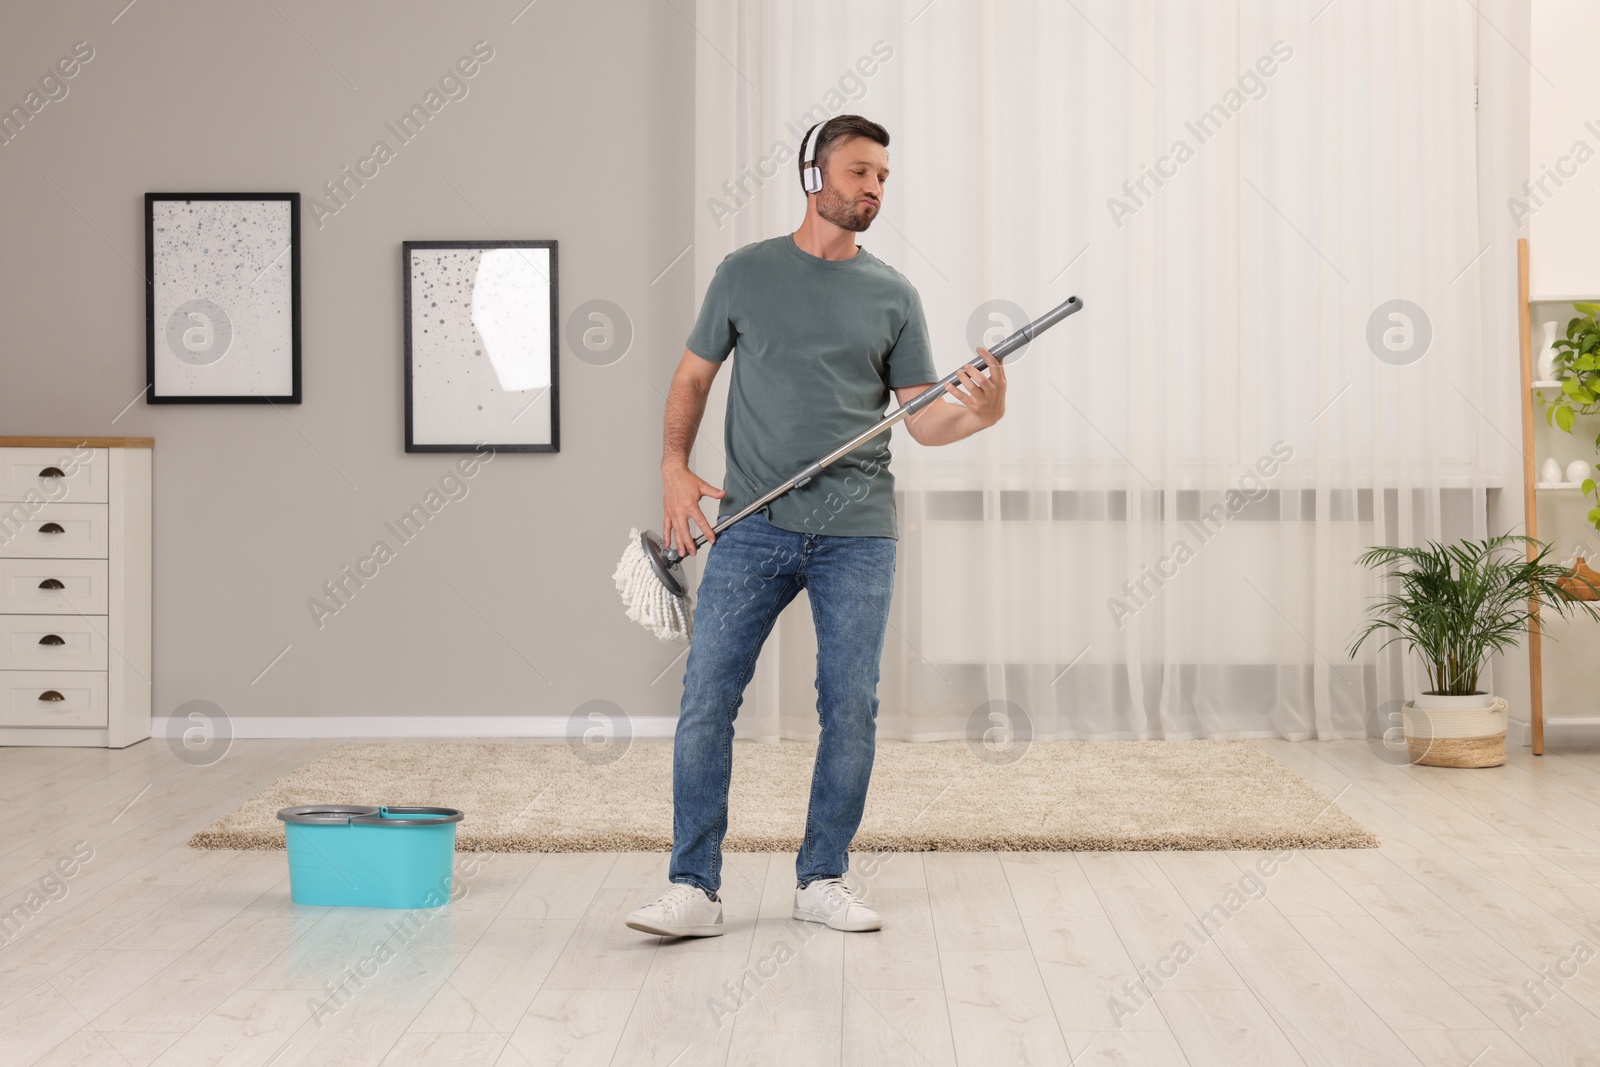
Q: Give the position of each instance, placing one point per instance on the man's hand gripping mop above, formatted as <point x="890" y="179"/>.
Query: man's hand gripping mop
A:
<point x="650" y="576"/>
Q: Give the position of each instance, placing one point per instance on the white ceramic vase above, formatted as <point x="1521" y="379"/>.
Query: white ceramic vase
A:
<point x="1547" y="353"/>
<point x="1550" y="471"/>
<point x="1578" y="470"/>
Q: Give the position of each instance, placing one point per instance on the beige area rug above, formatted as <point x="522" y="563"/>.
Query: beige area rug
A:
<point x="938" y="796"/>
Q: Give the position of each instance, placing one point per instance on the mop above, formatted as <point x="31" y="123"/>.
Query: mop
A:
<point x="650" y="577"/>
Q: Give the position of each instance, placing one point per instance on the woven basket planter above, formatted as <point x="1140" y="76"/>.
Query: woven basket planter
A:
<point x="1457" y="736"/>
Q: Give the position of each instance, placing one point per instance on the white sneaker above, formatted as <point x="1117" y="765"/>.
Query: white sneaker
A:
<point x="683" y="911"/>
<point x="829" y="900"/>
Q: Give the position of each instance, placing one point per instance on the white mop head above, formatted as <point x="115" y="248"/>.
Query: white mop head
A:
<point x="649" y="603"/>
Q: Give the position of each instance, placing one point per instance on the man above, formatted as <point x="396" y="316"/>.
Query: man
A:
<point x="825" y="331"/>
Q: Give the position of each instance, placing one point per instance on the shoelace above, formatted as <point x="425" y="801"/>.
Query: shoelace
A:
<point x="839" y="894"/>
<point x="675" y="898"/>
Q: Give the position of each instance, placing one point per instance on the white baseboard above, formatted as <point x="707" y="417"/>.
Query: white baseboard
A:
<point x="377" y="727"/>
<point x="1520" y="732"/>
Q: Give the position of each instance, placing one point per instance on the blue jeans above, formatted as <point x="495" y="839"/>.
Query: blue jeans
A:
<point x="751" y="574"/>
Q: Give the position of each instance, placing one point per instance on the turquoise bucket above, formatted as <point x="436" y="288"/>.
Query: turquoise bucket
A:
<point x="354" y="855"/>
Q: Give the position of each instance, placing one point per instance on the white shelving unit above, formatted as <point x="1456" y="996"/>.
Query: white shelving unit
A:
<point x="1532" y="487"/>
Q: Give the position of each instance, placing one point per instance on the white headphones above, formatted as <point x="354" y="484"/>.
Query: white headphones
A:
<point x="811" y="177"/>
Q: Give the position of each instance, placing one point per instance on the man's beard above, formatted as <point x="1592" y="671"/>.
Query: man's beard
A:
<point x="842" y="213"/>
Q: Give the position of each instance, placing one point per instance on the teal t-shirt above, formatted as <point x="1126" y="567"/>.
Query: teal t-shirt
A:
<point x="820" y="345"/>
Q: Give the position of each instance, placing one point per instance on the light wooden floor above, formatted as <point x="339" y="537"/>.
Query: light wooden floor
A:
<point x="155" y="954"/>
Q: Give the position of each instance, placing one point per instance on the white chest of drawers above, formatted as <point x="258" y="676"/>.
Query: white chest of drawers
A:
<point x="74" y="590"/>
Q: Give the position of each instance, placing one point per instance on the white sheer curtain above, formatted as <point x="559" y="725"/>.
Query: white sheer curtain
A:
<point x="1080" y="570"/>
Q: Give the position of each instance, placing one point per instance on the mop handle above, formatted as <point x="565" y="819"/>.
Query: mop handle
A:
<point x="917" y="403"/>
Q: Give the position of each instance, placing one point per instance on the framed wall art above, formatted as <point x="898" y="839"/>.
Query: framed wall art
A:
<point x="480" y="338"/>
<point x="222" y="298"/>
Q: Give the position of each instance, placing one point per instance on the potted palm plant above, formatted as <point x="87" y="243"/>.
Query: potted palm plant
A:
<point x="1455" y="605"/>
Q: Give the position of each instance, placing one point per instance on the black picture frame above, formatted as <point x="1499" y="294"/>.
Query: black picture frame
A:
<point x="412" y="444"/>
<point x="152" y="352"/>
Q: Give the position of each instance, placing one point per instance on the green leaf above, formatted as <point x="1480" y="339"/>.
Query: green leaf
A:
<point x="1588" y="309"/>
<point x="1588" y="486"/>
<point x="1565" y="418"/>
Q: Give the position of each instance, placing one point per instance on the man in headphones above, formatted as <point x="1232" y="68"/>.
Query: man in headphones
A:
<point x="825" y="331"/>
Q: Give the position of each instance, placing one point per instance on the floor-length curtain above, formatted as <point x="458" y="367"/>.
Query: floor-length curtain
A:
<point x="1271" y="213"/>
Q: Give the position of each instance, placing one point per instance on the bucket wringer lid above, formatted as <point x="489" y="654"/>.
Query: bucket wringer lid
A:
<point x="368" y="815"/>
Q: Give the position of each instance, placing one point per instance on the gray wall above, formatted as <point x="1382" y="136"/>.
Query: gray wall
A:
<point x="579" y="129"/>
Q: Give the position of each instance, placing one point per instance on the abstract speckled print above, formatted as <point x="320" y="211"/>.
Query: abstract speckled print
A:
<point x="480" y="346"/>
<point x="223" y="298"/>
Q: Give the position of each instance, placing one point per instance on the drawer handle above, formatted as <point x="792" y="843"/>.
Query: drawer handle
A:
<point x="51" y="694"/>
<point x="52" y="527"/>
<point x="52" y="639"/>
<point x="52" y="472"/>
<point x="52" y="583"/>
